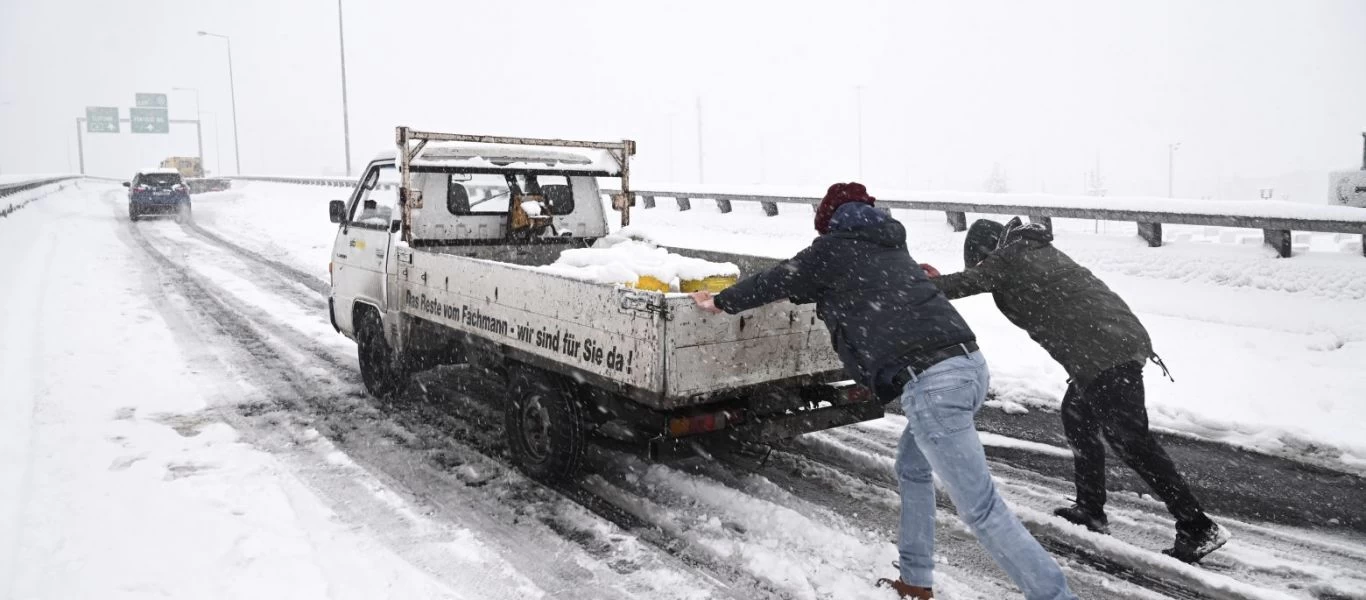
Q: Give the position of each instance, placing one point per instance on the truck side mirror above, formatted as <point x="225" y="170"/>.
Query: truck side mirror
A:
<point x="336" y="211"/>
<point x="127" y="184"/>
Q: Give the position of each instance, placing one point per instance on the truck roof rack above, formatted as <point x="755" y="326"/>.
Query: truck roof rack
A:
<point x="471" y="150"/>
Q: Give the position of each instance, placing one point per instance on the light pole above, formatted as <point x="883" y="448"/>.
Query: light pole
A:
<point x="701" y="175"/>
<point x="1171" y="167"/>
<point x="232" y="91"/>
<point x="858" y="101"/>
<point x="217" y="148"/>
<point x="198" y="130"/>
<point x="346" y="113"/>
<point x="7" y="103"/>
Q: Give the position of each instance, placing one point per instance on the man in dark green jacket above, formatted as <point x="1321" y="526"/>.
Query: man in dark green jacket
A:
<point x="1088" y="329"/>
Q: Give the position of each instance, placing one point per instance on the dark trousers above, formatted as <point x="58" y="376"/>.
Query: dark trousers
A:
<point x="1113" y="405"/>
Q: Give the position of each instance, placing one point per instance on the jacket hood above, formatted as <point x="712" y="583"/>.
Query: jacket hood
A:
<point x="1016" y="231"/>
<point x="986" y="236"/>
<point x="857" y="220"/>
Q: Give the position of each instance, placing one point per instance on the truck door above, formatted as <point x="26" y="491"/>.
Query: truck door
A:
<point x="360" y="253"/>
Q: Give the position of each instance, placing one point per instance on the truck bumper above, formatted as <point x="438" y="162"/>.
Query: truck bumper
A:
<point x="768" y="430"/>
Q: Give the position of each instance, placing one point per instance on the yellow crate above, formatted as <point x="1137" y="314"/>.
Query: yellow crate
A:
<point x="654" y="284"/>
<point x="712" y="284"/>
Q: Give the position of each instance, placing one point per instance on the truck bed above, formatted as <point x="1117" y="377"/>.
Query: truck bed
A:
<point x="657" y="349"/>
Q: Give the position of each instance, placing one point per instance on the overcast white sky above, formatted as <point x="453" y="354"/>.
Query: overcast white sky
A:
<point x="1251" y="88"/>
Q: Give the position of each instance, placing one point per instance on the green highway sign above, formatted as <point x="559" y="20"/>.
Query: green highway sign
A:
<point x="151" y="100"/>
<point x="101" y="119"/>
<point x="149" y="120"/>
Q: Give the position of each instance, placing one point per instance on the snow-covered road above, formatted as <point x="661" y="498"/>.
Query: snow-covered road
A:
<point x="180" y="420"/>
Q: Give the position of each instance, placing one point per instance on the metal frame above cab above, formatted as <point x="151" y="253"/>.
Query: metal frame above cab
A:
<point x="411" y="142"/>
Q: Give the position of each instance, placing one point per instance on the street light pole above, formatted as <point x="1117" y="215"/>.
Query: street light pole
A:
<point x="858" y="100"/>
<point x="198" y="131"/>
<point x="7" y="103"/>
<point x="232" y="91"/>
<point x="346" y="113"/>
<point x="1171" y="167"/>
<point x="701" y="175"/>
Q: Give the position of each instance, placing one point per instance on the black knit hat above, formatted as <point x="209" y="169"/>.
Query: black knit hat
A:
<point x="981" y="240"/>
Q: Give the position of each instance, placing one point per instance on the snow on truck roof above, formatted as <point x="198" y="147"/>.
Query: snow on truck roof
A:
<point x="158" y="170"/>
<point x="472" y="155"/>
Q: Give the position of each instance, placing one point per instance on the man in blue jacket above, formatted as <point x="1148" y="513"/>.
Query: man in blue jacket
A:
<point x="898" y="335"/>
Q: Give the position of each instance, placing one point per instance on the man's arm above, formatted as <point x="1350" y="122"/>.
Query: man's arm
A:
<point x="981" y="279"/>
<point x="793" y="278"/>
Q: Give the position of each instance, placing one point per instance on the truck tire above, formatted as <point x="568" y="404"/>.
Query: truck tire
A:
<point x="132" y="214"/>
<point x="546" y="425"/>
<point x="184" y="214"/>
<point x="379" y="367"/>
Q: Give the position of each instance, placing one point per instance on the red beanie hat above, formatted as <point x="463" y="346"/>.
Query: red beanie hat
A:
<point x="838" y="195"/>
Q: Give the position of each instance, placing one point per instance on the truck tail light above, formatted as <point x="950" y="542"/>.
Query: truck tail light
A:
<point x="686" y="426"/>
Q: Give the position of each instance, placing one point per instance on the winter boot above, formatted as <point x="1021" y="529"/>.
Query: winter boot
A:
<point x="1194" y="544"/>
<point x="906" y="590"/>
<point x="1075" y="514"/>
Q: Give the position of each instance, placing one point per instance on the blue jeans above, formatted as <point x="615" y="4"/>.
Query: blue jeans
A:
<point x="940" y="438"/>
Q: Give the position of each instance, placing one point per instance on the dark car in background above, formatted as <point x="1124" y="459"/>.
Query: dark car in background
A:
<point x="158" y="192"/>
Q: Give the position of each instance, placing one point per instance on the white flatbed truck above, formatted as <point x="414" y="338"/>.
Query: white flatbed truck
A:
<point x="435" y="262"/>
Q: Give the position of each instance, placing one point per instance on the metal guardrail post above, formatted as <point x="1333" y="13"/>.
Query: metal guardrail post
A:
<point x="770" y="208"/>
<point x="1150" y="232"/>
<point x="723" y="205"/>
<point x="648" y="201"/>
<point x="684" y="203"/>
<point x="1279" y="240"/>
<point x="957" y="220"/>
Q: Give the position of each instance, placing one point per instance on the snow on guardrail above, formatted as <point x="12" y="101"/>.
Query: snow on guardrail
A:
<point x="13" y="185"/>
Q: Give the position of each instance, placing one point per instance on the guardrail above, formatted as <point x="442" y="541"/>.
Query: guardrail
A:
<point x="10" y="189"/>
<point x="345" y="182"/>
<point x="1276" y="230"/>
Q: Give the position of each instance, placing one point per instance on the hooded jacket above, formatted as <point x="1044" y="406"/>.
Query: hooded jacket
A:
<point x="880" y="307"/>
<point x="1070" y="312"/>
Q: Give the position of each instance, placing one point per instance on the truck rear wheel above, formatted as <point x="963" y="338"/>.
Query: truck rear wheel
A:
<point x="546" y="426"/>
<point x="379" y="368"/>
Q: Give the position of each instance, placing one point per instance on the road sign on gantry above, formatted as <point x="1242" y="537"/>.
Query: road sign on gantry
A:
<point x="101" y="119"/>
<point x="149" y="120"/>
<point x="151" y="100"/>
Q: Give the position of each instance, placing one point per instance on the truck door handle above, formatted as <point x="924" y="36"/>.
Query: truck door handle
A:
<point x="341" y="256"/>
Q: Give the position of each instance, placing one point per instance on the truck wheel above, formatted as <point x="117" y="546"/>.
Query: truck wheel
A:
<point x="378" y="367"/>
<point x="545" y="424"/>
<point x="132" y="214"/>
<point x="182" y="214"/>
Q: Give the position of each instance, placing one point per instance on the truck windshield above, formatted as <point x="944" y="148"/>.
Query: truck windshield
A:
<point x="378" y="198"/>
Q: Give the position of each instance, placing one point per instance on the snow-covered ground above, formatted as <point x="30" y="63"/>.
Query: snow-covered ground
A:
<point x="180" y="420"/>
